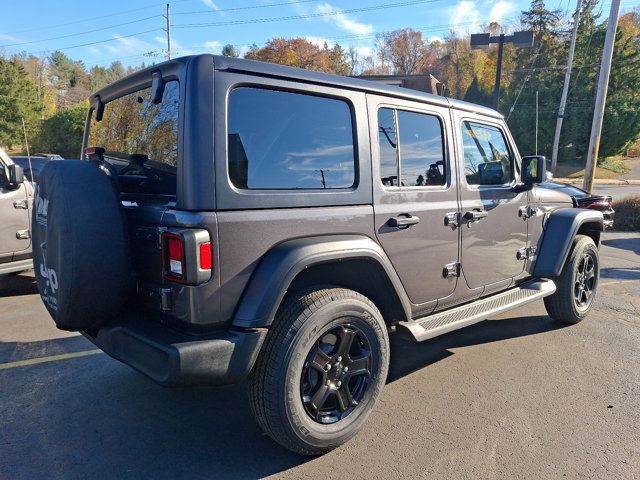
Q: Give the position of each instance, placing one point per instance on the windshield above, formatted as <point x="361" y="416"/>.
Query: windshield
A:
<point x="140" y="140"/>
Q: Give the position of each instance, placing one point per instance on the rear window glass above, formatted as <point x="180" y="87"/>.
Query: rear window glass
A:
<point x="418" y="156"/>
<point x="140" y="140"/>
<point x="282" y="140"/>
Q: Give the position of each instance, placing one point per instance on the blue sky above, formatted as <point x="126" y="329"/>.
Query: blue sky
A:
<point x="99" y="32"/>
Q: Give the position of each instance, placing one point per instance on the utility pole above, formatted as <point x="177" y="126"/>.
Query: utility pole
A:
<point x="536" y="122"/>
<point x="565" y="88"/>
<point x="601" y="97"/>
<point x="168" y="17"/>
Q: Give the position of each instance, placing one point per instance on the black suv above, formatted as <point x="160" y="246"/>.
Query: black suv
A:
<point x="234" y="218"/>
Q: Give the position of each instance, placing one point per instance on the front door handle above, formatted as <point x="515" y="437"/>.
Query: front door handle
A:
<point x="403" y="221"/>
<point x="473" y="216"/>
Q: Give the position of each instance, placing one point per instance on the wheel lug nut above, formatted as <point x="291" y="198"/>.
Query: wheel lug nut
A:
<point x="346" y="369"/>
<point x="339" y="359"/>
<point x="339" y="383"/>
<point x="327" y="367"/>
<point x="328" y="383"/>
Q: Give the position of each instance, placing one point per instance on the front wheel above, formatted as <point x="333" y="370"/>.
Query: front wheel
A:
<point x="321" y="371"/>
<point x="577" y="284"/>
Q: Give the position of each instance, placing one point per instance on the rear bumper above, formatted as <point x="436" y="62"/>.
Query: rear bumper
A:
<point x="171" y="358"/>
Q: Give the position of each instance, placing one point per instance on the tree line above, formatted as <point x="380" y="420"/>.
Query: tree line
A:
<point x="50" y="93"/>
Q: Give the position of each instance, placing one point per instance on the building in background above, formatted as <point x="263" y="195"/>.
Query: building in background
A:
<point x="424" y="82"/>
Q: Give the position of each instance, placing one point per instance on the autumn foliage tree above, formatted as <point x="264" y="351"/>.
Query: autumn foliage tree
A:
<point x="301" y="53"/>
<point x="406" y="52"/>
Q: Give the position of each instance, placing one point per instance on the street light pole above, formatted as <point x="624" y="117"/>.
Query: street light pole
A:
<point x="483" y="40"/>
<point x="496" y="90"/>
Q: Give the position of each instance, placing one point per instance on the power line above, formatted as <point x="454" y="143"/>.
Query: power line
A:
<point x="113" y="39"/>
<point x="85" y="32"/>
<point x="84" y="20"/>
<point x="306" y="16"/>
<point x="250" y="7"/>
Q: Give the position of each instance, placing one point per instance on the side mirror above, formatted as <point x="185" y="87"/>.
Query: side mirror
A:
<point x="534" y="169"/>
<point x="16" y="175"/>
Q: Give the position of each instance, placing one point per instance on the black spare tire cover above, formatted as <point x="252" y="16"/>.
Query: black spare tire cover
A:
<point x="80" y="248"/>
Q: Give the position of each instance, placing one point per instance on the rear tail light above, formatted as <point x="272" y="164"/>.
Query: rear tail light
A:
<point x="173" y="257"/>
<point x="205" y="256"/>
<point x="187" y="256"/>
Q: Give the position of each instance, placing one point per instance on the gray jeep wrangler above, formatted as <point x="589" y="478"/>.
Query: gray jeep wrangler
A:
<point x="234" y="219"/>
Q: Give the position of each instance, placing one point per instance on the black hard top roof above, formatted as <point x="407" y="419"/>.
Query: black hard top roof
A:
<point x="242" y="65"/>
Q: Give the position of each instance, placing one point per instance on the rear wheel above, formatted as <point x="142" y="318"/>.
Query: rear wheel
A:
<point x="577" y="284"/>
<point x="321" y="370"/>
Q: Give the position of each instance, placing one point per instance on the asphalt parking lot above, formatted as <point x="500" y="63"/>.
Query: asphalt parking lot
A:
<point x="513" y="397"/>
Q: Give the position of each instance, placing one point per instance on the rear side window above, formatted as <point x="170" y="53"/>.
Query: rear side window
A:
<point x="282" y="140"/>
<point x="140" y="139"/>
<point x="487" y="159"/>
<point x="418" y="156"/>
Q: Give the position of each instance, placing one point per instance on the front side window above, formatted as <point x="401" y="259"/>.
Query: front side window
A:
<point x="282" y="140"/>
<point x="419" y="154"/>
<point x="140" y="139"/>
<point x="487" y="159"/>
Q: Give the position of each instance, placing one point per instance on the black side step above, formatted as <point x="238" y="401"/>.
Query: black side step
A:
<point x="443" y="322"/>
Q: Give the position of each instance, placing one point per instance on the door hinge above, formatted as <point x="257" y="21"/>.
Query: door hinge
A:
<point x="21" y="204"/>
<point x="526" y="253"/>
<point x="23" y="234"/>
<point x="452" y="219"/>
<point x="527" y="211"/>
<point x="451" y="270"/>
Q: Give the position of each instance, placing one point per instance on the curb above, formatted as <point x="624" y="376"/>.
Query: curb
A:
<point x="598" y="181"/>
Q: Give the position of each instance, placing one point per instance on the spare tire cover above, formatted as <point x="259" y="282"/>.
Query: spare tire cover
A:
<point x="80" y="248"/>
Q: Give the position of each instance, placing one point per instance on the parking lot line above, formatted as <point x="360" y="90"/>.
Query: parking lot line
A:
<point x="51" y="358"/>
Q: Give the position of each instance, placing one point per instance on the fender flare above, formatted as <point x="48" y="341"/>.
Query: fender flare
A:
<point x="280" y="266"/>
<point x="559" y="232"/>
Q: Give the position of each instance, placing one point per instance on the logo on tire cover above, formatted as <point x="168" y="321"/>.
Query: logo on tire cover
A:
<point x="51" y="286"/>
<point x="42" y="205"/>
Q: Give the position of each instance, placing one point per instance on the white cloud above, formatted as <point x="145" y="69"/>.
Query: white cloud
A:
<point x="319" y="41"/>
<point x="343" y="21"/>
<point x="211" y="5"/>
<point x="500" y="10"/>
<point x="212" y="45"/>
<point x="465" y="17"/>
<point x="365" y="51"/>
<point x="10" y="38"/>
<point x="94" y="50"/>
<point x="435" y="38"/>
<point x="129" y="45"/>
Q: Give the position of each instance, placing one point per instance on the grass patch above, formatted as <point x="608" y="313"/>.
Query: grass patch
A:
<point x="627" y="215"/>
<point x="609" y="167"/>
<point x="615" y="164"/>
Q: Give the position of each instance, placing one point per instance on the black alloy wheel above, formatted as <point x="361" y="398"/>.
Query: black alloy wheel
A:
<point x="585" y="280"/>
<point x="321" y="369"/>
<point x="336" y="374"/>
<point x="577" y="284"/>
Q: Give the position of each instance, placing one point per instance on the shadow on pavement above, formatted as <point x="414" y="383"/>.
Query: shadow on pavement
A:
<point x="408" y="356"/>
<point x="631" y="244"/>
<point x="621" y="273"/>
<point x="19" y="284"/>
<point x="93" y="417"/>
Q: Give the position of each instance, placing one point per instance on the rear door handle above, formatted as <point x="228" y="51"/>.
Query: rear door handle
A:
<point x="403" y="221"/>
<point x="474" y="216"/>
